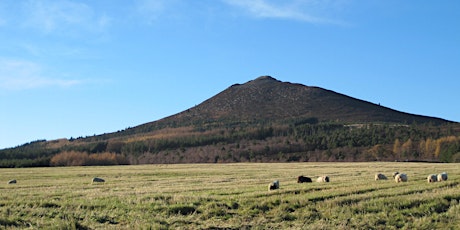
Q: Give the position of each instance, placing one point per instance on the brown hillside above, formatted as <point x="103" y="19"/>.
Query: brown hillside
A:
<point x="266" y="98"/>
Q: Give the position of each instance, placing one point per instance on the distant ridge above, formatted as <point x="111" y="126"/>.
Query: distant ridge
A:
<point x="266" y="98"/>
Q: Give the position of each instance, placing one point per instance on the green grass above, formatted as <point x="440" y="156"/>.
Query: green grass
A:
<point x="231" y="196"/>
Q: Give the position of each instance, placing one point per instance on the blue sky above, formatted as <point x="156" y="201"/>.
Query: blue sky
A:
<point x="79" y="68"/>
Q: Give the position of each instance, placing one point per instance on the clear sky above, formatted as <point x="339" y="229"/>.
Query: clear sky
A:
<point x="77" y="68"/>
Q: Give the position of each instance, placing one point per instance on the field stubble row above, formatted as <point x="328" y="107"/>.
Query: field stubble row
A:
<point x="235" y="196"/>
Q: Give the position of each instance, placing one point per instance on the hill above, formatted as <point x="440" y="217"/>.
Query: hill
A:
<point x="266" y="98"/>
<point x="262" y="120"/>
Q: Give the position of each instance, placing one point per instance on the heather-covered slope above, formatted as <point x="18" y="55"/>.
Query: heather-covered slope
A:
<point x="266" y="98"/>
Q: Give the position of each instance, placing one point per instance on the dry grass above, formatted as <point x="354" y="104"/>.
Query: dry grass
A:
<point x="235" y="196"/>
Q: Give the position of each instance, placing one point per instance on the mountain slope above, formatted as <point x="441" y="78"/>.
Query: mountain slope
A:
<point x="266" y="98"/>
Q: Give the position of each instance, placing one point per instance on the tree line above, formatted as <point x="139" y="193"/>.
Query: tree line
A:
<point x="306" y="140"/>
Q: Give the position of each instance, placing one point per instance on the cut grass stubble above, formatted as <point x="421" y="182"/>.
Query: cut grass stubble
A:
<point x="233" y="196"/>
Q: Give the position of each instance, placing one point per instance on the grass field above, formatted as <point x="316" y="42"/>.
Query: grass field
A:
<point x="230" y="196"/>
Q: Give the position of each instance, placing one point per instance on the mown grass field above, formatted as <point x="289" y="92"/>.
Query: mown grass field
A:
<point x="230" y="196"/>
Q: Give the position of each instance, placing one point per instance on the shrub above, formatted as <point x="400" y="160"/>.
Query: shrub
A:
<point x="74" y="158"/>
<point x="71" y="158"/>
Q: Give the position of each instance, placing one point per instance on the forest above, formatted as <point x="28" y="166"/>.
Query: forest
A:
<point x="295" y="141"/>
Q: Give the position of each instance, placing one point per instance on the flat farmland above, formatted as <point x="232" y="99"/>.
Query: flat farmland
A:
<point x="230" y="196"/>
